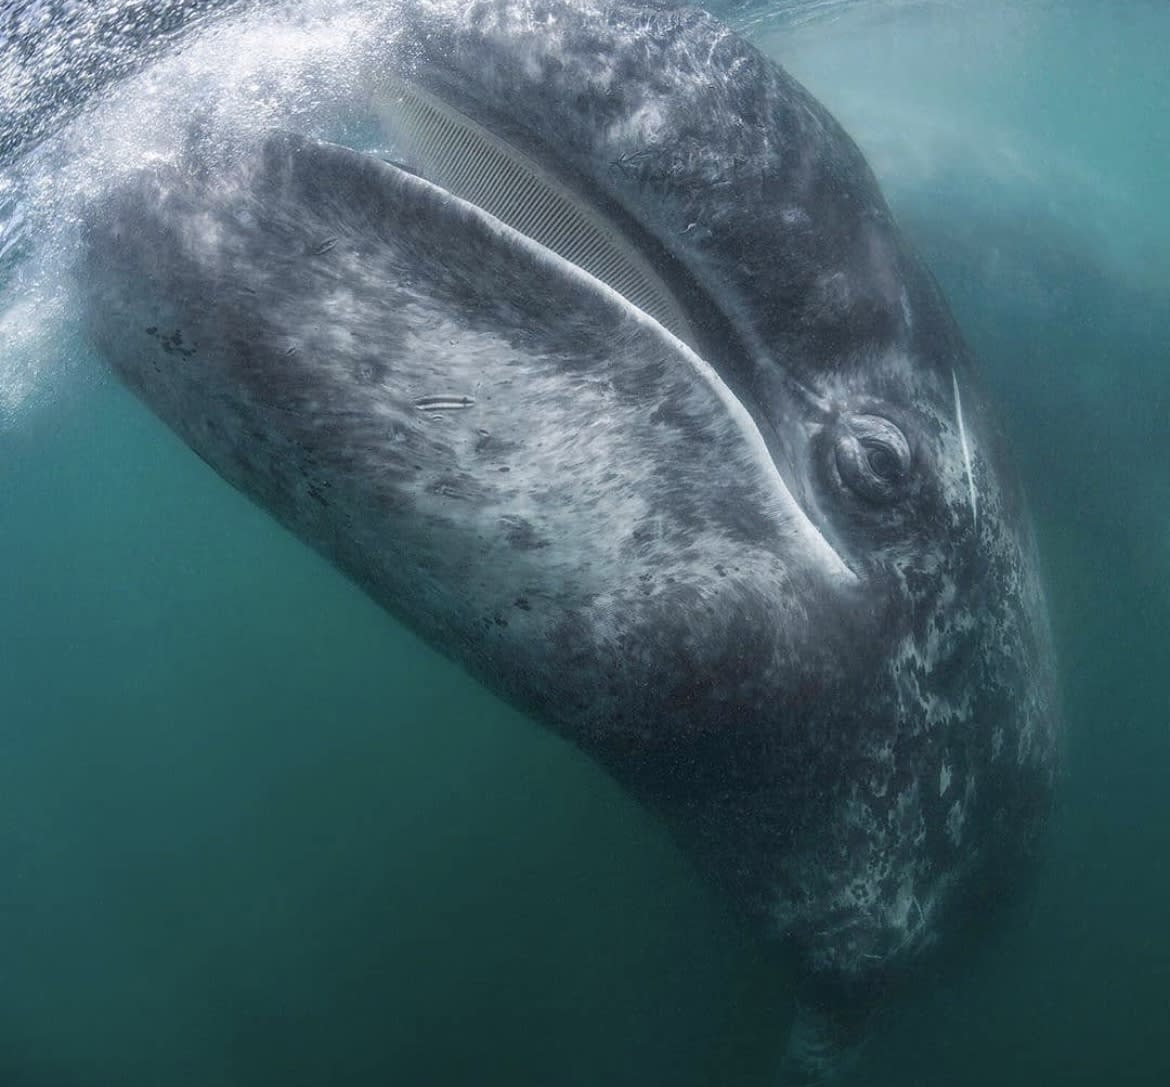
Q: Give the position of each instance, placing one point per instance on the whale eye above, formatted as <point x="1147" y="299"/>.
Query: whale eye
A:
<point x="873" y="457"/>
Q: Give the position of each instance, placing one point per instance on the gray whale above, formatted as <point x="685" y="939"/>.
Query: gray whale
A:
<point x="620" y="386"/>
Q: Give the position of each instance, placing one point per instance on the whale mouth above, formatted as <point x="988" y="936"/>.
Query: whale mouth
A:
<point x="444" y="145"/>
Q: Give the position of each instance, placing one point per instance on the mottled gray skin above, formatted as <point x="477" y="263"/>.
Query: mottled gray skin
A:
<point x="834" y="683"/>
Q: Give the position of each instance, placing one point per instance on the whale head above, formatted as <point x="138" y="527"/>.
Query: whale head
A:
<point x="620" y="387"/>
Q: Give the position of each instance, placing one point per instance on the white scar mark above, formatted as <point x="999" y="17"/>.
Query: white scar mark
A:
<point x="966" y="448"/>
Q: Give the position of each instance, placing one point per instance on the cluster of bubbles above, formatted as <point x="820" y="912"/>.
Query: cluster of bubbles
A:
<point x="91" y="92"/>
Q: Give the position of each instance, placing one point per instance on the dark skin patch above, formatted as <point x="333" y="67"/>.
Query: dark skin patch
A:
<point x="172" y="344"/>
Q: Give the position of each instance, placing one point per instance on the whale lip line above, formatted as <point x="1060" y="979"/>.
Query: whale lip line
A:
<point x="789" y="510"/>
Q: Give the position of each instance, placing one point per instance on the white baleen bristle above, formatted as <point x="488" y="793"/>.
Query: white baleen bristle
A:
<point x="461" y="156"/>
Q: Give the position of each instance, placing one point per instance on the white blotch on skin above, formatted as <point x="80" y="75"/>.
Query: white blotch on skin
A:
<point x="966" y="447"/>
<point x="955" y="823"/>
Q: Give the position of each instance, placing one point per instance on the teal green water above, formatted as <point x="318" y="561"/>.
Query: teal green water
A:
<point x="252" y="832"/>
<point x="257" y="833"/>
